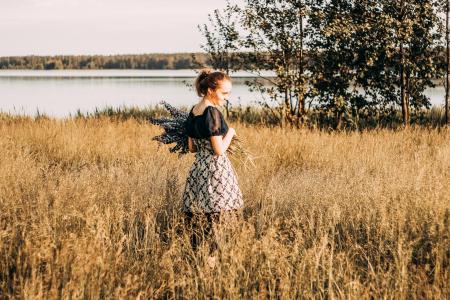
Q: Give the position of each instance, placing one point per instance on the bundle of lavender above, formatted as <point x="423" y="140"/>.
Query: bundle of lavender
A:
<point x="175" y="132"/>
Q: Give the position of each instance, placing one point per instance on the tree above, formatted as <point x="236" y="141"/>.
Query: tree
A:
<point x="442" y="51"/>
<point x="275" y="37"/>
<point x="338" y="50"/>
<point x="384" y="47"/>
<point x="447" y="71"/>
<point x="222" y="39"/>
<point x="407" y="52"/>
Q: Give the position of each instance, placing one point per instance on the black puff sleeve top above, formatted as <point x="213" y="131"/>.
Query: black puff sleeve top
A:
<point x="208" y="124"/>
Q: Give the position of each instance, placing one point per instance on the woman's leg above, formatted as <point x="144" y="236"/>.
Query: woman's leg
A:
<point x="221" y="226"/>
<point x="212" y="218"/>
<point x="200" y="226"/>
<point x="191" y="222"/>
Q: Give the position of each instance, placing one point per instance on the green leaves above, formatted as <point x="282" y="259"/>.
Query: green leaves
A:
<point x="369" y="54"/>
<point x="223" y="38"/>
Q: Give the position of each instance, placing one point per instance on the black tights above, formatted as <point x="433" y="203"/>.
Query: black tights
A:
<point x="201" y="228"/>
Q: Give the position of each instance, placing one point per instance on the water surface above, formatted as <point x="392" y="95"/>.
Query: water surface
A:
<point x="60" y="93"/>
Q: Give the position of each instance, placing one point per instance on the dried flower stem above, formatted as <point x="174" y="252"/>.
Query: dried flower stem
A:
<point x="175" y="132"/>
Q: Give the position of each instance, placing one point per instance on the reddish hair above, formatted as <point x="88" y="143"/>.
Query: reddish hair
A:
<point x="209" y="79"/>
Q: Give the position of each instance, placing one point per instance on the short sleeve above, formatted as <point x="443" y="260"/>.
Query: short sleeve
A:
<point x="213" y="121"/>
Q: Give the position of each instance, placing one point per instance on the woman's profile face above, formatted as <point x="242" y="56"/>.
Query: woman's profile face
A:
<point x="222" y="93"/>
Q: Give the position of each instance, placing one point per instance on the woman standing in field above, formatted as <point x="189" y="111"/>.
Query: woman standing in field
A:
<point x="211" y="187"/>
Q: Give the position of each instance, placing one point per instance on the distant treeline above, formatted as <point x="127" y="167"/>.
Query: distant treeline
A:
<point x="155" y="61"/>
<point x="139" y="61"/>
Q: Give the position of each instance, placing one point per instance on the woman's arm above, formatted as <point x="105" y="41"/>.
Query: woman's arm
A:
<point x="220" y="144"/>
<point x="191" y="145"/>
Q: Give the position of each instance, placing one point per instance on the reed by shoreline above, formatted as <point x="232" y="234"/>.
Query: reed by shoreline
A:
<point x="267" y="117"/>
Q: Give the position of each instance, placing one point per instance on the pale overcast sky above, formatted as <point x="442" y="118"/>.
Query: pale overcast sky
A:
<point x="52" y="27"/>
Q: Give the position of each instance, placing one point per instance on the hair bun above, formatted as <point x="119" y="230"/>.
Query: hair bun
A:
<point x="204" y="73"/>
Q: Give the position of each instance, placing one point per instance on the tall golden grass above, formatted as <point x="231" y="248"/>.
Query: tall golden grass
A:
<point x="89" y="208"/>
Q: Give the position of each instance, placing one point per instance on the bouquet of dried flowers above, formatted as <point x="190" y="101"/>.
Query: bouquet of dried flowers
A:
<point x="175" y="132"/>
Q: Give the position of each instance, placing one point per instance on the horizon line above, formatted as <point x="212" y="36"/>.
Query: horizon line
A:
<point x="115" y="54"/>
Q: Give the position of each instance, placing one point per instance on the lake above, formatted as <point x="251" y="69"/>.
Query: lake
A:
<point x="60" y="93"/>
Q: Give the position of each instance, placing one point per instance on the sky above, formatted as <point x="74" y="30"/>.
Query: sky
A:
<point x="70" y="27"/>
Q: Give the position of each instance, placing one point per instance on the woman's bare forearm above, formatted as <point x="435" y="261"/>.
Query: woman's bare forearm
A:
<point x="220" y="144"/>
<point x="226" y="141"/>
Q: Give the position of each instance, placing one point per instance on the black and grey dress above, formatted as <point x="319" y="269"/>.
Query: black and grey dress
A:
<point x="211" y="185"/>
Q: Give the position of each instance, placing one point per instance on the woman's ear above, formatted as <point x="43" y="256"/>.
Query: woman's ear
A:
<point x="209" y="92"/>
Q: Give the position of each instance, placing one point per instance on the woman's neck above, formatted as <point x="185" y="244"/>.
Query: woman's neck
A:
<point x="207" y="102"/>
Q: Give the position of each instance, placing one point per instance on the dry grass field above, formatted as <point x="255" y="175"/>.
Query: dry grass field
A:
<point x="90" y="209"/>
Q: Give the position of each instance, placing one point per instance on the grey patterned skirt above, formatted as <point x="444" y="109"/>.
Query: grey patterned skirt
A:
<point x="211" y="185"/>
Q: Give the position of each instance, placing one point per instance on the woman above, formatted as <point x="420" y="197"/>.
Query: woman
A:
<point x="211" y="186"/>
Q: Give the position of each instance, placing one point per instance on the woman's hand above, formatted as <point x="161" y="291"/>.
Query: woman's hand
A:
<point x="220" y="144"/>
<point x="231" y="131"/>
<point x="191" y="145"/>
